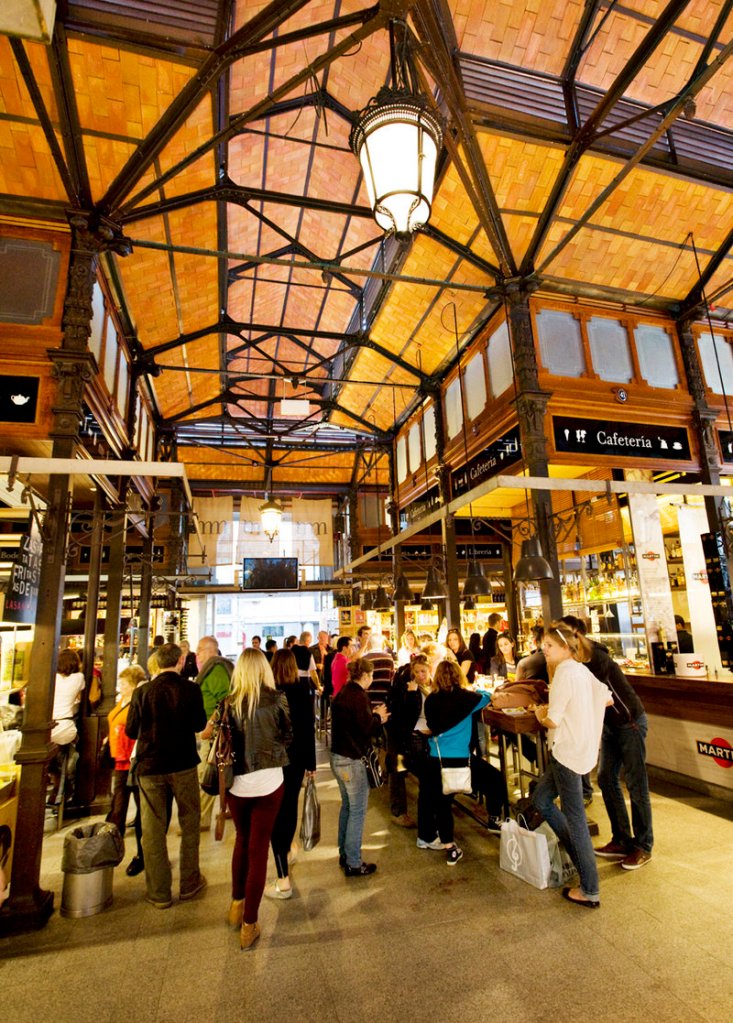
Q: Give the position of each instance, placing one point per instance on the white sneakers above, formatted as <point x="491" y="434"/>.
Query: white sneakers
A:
<point x="273" y="891"/>
<point x="435" y="844"/>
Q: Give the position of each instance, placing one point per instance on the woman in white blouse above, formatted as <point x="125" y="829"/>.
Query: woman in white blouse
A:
<point x="574" y="719"/>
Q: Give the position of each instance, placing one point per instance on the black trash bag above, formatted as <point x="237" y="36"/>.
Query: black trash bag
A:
<point x="91" y="847"/>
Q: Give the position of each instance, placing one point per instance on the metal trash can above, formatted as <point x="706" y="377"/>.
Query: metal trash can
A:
<point x="91" y="853"/>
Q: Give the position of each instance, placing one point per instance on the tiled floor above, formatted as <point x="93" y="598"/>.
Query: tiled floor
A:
<point x="417" y="941"/>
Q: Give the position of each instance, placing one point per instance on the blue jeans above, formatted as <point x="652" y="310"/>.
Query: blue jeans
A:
<point x="626" y="747"/>
<point x="569" y="823"/>
<point x="354" y="787"/>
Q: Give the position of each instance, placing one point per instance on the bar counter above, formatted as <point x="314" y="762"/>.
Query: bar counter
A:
<point x="690" y="730"/>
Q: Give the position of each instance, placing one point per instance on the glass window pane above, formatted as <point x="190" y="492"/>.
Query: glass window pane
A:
<point x="453" y="410"/>
<point x="709" y="362"/>
<point x="500" y="361"/>
<point x="95" y="340"/>
<point x="428" y="430"/>
<point x="414" y="448"/>
<point x="122" y="379"/>
<point x="656" y="356"/>
<point x="474" y="382"/>
<point x="609" y="348"/>
<point x="401" y="459"/>
<point x="110" y="356"/>
<point x="561" y="344"/>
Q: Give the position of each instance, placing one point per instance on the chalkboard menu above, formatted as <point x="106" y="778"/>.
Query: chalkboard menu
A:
<point x="21" y="599"/>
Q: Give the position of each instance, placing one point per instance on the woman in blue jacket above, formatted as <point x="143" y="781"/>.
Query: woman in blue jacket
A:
<point x="448" y="712"/>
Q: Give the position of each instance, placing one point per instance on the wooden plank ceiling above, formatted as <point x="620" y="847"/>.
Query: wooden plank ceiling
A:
<point x="589" y="145"/>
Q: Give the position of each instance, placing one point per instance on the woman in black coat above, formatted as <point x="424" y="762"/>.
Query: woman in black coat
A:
<point x="302" y="754"/>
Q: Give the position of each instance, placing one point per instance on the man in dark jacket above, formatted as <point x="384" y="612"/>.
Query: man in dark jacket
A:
<point x="164" y="716"/>
<point x="623" y="744"/>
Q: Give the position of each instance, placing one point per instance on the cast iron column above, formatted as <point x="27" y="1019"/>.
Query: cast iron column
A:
<point x="116" y="519"/>
<point x="95" y="570"/>
<point x="29" y="906"/>
<point x="394" y="521"/>
<point x="531" y="405"/>
<point x="704" y="418"/>
<point x="146" y="592"/>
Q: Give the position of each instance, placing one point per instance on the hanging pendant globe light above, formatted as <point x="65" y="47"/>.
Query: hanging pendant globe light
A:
<point x="397" y="139"/>
<point x="271" y="514"/>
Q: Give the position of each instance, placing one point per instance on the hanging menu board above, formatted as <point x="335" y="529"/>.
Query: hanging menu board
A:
<point x="21" y="599"/>
<point x="620" y="440"/>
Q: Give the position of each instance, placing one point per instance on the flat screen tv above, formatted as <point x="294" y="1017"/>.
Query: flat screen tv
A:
<point x="270" y="574"/>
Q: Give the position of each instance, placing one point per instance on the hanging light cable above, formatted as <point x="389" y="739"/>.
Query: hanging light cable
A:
<point x="476" y="584"/>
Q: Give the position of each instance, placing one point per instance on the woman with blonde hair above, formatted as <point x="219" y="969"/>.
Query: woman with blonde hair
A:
<point x="302" y="755"/>
<point x="574" y="720"/>
<point x="408" y="647"/>
<point x="261" y="733"/>
<point x="449" y="711"/>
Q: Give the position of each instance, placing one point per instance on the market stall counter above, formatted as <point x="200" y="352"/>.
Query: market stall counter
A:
<point x="690" y="730"/>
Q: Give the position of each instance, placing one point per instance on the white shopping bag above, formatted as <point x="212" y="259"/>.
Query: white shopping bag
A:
<point x="524" y="853"/>
<point x="562" y="868"/>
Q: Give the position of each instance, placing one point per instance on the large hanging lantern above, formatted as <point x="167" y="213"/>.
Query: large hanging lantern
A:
<point x="271" y="514"/>
<point x="397" y="139"/>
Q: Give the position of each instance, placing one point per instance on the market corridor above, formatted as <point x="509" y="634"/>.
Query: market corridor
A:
<point x="415" y="941"/>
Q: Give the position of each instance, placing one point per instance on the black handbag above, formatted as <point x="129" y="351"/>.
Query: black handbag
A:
<point x="375" y="773"/>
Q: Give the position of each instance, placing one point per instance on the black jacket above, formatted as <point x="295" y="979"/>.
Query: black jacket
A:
<point x="302" y="750"/>
<point x="353" y="723"/>
<point x="627" y="706"/>
<point x="404" y="710"/>
<point x="164" y="716"/>
<point x="262" y="741"/>
<point x="445" y="708"/>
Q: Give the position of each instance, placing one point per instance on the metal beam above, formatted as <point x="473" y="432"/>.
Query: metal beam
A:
<point x="584" y="135"/>
<point x="275" y="13"/>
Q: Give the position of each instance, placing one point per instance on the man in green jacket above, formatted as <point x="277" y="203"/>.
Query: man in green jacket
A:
<point x="213" y="678"/>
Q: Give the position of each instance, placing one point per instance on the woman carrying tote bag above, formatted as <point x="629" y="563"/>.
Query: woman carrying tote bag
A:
<point x="574" y="720"/>
<point x="448" y="712"/>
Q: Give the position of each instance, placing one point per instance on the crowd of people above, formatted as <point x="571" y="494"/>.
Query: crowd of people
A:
<point x="419" y="705"/>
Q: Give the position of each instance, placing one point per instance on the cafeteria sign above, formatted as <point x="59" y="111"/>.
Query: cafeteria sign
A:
<point x="634" y="440"/>
<point x="21" y="599"/>
<point x="492" y="460"/>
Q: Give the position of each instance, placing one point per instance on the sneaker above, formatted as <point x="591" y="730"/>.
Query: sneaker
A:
<point x="636" y="859"/>
<point x="612" y="851"/>
<point x="404" y="821"/>
<point x="274" y="891"/>
<point x="199" y="887"/>
<point x="493" y="825"/>
<point x="363" y="871"/>
<point x="435" y="844"/>
<point x="453" y="855"/>
<point x="164" y="904"/>
<point x="342" y="861"/>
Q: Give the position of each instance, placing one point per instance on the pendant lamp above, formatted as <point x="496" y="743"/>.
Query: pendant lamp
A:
<point x="532" y="565"/>
<point x="435" y="587"/>
<point x="402" y="589"/>
<point x="476" y="584"/>
<point x="397" y="139"/>
<point x="381" y="600"/>
<point x="271" y="514"/>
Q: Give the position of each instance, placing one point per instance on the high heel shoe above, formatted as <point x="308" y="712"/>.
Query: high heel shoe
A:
<point x="248" y="936"/>
<point x="235" y="914"/>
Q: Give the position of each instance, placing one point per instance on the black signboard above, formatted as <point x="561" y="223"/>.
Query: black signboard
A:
<point x="18" y="399"/>
<point x="21" y="599"/>
<point x="10" y="553"/>
<point x="726" y="444"/>
<point x="494" y="459"/>
<point x="620" y="440"/>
